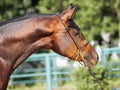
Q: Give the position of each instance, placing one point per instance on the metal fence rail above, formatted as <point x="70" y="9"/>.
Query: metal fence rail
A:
<point x="112" y="67"/>
<point x="107" y="51"/>
<point x="49" y="74"/>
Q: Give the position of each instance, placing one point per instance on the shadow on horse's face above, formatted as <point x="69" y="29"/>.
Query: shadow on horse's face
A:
<point x="70" y="42"/>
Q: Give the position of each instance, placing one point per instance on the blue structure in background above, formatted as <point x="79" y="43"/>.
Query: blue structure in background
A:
<point x="52" y="71"/>
<point x="112" y="67"/>
<point x="108" y="51"/>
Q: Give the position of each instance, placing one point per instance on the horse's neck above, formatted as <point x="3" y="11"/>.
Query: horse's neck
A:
<point x="21" y="36"/>
<point x="15" y="29"/>
<point x="16" y="39"/>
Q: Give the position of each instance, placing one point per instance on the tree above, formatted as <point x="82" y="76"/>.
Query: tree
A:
<point x="93" y="16"/>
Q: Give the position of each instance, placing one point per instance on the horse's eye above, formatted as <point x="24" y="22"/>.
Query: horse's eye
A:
<point x="77" y="33"/>
<point x="86" y="58"/>
<point x="70" y="19"/>
<point x="69" y="26"/>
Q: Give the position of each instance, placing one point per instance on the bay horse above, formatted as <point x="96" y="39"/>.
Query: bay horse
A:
<point x="20" y="37"/>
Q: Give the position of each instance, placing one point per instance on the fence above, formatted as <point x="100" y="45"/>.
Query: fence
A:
<point x="50" y="73"/>
<point x="112" y="66"/>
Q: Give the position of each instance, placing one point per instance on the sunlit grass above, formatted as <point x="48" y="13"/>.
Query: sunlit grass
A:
<point x="67" y="86"/>
<point x="24" y="87"/>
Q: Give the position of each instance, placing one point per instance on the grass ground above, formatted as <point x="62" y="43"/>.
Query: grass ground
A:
<point x="67" y="86"/>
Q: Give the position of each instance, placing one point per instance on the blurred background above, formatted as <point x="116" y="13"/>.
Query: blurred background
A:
<point x="99" y="21"/>
<point x="99" y="18"/>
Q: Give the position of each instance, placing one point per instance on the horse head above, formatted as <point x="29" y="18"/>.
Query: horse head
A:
<point x="69" y="40"/>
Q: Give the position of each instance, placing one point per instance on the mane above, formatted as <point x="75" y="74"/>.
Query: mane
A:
<point x="25" y="16"/>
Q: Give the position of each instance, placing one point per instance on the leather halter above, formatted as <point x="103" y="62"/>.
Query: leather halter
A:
<point x="79" y="49"/>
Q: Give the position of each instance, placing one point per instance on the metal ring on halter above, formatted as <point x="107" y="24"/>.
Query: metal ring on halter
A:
<point x="79" y="52"/>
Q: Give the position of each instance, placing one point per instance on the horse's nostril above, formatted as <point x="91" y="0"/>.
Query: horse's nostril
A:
<point x="85" y="58"/>
<point x="97" y="57"/>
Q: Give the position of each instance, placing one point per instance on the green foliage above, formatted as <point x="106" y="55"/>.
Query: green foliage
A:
<point x="93" y="16"/>
<point x="84" y="81"/>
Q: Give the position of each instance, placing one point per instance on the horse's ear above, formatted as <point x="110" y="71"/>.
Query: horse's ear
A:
<point x="69" y="13"/>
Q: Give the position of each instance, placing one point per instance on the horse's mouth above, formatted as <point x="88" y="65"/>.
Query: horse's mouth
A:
<point x="89" y="63"/>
